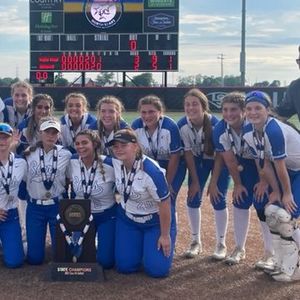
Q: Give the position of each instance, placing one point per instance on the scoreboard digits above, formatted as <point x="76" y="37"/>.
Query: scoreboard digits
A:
<point x="102" y="35"/>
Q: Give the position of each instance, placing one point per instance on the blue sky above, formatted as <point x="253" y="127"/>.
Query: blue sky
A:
<point x="207" y="29"/>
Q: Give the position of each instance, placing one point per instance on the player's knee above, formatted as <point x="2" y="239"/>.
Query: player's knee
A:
<point x="157" y="271"/>
<point x="271" y="217"/>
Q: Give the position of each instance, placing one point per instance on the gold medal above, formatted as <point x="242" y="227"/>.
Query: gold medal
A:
<point x="48" y="195"/>
<point x="261" y="172"/>
<point x="240" y="168"/>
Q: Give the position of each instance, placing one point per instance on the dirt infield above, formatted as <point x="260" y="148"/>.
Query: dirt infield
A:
<point x="199" y="278"/>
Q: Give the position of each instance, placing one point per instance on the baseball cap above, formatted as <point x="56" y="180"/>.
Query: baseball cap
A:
<point x="50" y="124"/>
<point x="123" y="136"/>
<point x="6" y="129"/>
<point x="258" y="96"/>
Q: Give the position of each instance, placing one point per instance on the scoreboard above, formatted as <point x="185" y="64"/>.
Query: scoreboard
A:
<point x="102" y="35"/>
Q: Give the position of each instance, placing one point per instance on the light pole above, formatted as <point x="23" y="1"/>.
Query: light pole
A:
<point x="243" y="43"/>
<point x="221" y="57"/>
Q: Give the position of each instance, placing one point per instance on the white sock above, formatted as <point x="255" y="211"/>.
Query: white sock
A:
<point x="221" y="221"/>
<point x="195" y="222"/>
<point x="267" y="237"/>
<point x="296" y="237"/>
<point x="241" y="225"/>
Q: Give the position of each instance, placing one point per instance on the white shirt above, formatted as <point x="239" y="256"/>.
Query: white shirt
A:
<point x="35" y="185"/>
<point x="149" y="187"/>
<point x="281" y="141"/>
<point x="19" y="171"/>
<point x="102" y="194"/>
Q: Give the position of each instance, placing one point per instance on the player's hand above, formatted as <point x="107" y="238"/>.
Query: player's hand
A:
<point x="194" y="188"/>
<point x="260" y="190"/>
<point x="274" y="197"/>
<point x="3" y="215"/>
<point x="289" y="203"/>
<point x="214" y="193"/>
<point x="164" y="244"/>
<point x="238" y="193"/>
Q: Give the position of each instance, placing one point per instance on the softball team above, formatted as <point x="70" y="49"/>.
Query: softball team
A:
<point x="196" y="133"/>
<point x="75" y="120"/>
<point x="92" y="177"/>
<point x="276" y="147"/>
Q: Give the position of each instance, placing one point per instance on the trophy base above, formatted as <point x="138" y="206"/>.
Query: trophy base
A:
<point x="76" y="272"/>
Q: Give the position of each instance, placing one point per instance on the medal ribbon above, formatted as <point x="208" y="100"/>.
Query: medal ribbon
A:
<point x="74" y="239"/>
<point x="48" y="181"/>
<point x="232" y="144"/>
<point x="87" y="187"/>
<point x="260" y="147"/>
<point x="71" y="128"/>
<point x="17" y="117"/>
<point x="7" y="179"/>
<point x="154" y="148"/>
<point x="201" y="148"/>
<point x="128" y="186"/>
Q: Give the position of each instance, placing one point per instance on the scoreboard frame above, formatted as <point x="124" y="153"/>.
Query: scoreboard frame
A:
<point x="102" y="36"/>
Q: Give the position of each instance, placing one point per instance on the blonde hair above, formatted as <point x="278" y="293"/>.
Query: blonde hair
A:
<point x="22" y="84"/>
<point x="207" y="127"/>
<point x="109" y="99"/>
<point x="80" y="96"/>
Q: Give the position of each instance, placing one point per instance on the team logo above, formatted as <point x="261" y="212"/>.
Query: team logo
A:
<point x="103" y="13"/>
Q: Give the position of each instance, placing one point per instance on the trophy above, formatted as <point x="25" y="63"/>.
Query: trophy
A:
<point x="75" y="250"/>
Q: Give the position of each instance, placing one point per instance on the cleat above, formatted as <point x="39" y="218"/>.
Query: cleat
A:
<point x="287" y="278"/>
<point x="237" y="255"/>
<point x="194" y="250"/>
<point x="220" y="252"/>
<point x="267" y="262"/>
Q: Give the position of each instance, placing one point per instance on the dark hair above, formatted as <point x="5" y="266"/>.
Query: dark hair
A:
<point x="207" y="127"/>
<point x="152" y="100"/>
<point x="235" y="98"/>
<point x="94" y="138"/>
<point x="32" y="126"/>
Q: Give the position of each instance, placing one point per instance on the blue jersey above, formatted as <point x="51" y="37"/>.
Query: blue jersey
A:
<point x="163" y="142"/>
<point x="193" y="138"/>
<point x="222" y="140"/>
<point x="281" y="141"/>
<point x="11" y="116"/>
<point x="149" y="187"/>
<point x="68" y="134"/>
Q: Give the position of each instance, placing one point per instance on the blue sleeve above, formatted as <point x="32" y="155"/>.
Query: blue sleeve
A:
<point x="217" y="132"/>
<point x="276" y="139"/>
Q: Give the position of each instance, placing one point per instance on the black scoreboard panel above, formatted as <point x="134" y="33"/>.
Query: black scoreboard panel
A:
<point x="103" y="35"/>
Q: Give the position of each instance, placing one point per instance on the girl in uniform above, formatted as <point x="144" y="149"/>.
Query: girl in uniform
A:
<point x="13" y="170"/>
<point x="143" y="234"/>
<point x="109" y="120"/>
<point x="159" y="138"/>
<point x="196" y="133"/>
<point x="241" y="165"/>
<point x="46" y="182"/>
<point x="75" y="120"/>
<point x="92" y="177"/>
<point x="276" y="147"/>
<point x="42" y="106"/>
<point x="18" y="106"/>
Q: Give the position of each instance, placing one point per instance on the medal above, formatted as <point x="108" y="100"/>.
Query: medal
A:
<point x="262" y="173"/>
<point x="48" y="181"/>
<point x="260" y="147"/>
<point x="48" y="195"/>
<point x="199" y="150"/>
<point x="72" y="130"/>
<point x="240" y="168"/>
<point x="153" y="148"/>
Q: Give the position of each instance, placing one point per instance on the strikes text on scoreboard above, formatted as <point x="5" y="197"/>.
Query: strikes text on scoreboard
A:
<point x="104" y="35"/>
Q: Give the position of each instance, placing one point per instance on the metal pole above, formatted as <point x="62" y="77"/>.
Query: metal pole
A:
<point x="221" y="57"/>
<point x="243" y="43"/>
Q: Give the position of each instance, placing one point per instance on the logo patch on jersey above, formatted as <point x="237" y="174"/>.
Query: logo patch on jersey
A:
<point x="103" y="13"/>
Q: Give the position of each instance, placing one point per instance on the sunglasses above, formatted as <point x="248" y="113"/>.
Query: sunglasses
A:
<point x="5" y="128"/>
